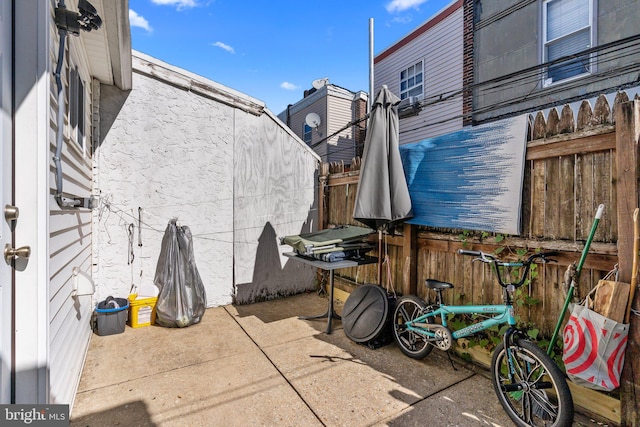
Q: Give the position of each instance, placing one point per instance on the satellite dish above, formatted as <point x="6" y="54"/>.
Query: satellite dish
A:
<point x="312" y="120"/>
<point x="318" y="83"/>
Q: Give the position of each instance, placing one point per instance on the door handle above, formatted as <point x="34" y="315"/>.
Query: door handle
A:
<point x="11" y="213"/>
<point x="11" y="253"/>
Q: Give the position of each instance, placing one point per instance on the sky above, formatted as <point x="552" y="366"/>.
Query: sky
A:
<point x="273" y="50"/>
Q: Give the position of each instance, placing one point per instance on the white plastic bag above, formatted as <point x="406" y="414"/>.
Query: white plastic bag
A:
<point x="594" y="348"/>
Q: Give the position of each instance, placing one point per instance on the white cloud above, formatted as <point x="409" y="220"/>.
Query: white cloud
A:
<point x="402" y="5"/>
<point x="136" y="20"/>
<point x="402" y="19"/>
<point x="180" y="4"/>
<point x="224" y="46"/>
<point x="288" y="86"/>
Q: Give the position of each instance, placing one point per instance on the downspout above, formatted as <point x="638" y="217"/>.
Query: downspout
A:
<point x="63" y="202"/>
<point x="66" y="21"/>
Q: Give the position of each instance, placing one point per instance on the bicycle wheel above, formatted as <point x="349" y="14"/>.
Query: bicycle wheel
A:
<point x="412" y="344"/>
<point x="539" y="394"/>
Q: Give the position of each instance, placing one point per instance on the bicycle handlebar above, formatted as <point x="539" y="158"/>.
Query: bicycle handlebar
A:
<point x="489" y="258"/>
<point x="486" y="257"/>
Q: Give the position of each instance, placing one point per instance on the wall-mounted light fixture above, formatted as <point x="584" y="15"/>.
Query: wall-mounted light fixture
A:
<point x="73" y="22"/>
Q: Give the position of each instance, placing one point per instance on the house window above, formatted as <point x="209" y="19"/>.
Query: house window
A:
<point x="411" y="81"/>
<point x="77" y="108"/>
<point x="306" y="134"/>
<point x="567" y="31"/>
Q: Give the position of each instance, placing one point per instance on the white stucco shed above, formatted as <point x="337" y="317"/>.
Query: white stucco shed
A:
<point x="181" y="146"/>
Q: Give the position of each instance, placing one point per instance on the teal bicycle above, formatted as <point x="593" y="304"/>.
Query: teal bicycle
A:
<point x="530" y="386"/>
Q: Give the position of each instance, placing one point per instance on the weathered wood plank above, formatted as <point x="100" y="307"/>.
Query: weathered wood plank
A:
<point x="552" y="200"/>
<point x="526" y="200"/>
<point x="539" y="126"/>
<point x="585" y="116"/>
<point x="602" y="113"/>
<point x="611" y="299"/>
<point x="567" y="124"/>
<point x="553" y="123"/>
<point x="543" y="149"/>
<point x="566" y="207"/>
<point x="537" y="198"/>
<point x="627" y="117"/>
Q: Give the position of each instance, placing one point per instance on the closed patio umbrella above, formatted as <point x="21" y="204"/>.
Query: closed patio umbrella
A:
<point x="382" y="200"/>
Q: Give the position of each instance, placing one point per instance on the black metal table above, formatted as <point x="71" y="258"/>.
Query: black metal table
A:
<point x="330" y="267"/>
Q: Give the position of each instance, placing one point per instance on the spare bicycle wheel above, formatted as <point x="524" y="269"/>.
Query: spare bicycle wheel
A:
<point x="365" y="313"/>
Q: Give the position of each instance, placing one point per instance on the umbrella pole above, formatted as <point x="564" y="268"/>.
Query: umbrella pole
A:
<point x="380" y="257"/>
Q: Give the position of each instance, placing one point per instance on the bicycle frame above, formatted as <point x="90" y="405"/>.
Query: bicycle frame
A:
<point x="502" y="313"/>
<point x="524" y="377"/>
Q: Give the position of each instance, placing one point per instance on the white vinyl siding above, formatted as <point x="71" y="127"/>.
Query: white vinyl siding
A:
<point x="340" y="147"/>
<point x="70" y="230"/>
<point x="335" y="108"/>
<point x="440" y="49"/>
<point x="567" y="31"/>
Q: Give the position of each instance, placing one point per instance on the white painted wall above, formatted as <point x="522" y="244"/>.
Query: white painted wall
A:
<point x="236" y="177"/>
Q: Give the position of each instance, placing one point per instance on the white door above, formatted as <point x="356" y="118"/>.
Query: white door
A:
<point x="6" y="199"/>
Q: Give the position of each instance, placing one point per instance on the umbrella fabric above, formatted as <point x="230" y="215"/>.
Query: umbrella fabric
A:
<point x="382" y="200"/>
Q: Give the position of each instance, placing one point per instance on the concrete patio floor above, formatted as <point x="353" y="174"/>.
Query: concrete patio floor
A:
<point x="259" y="365"/>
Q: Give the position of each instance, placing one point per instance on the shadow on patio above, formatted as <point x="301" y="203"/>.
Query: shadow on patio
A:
<point x="259" y="365"/>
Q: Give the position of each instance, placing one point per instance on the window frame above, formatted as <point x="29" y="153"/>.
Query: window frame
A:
<point x="406" y="92"/>
<point x="307" y="133"/>
<point x="77" y="99"/>
<point x="592" y="26"/>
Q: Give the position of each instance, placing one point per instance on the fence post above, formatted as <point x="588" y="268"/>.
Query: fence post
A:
<point x="410" y="255"/>
<point x="322" y="184"/>
<point x="627" y="117"/>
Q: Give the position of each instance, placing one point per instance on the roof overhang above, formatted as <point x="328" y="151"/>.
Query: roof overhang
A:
<point x="109" y="48"/>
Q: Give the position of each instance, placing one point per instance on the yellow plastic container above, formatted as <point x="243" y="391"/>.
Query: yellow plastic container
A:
<point x="142" y="311"/>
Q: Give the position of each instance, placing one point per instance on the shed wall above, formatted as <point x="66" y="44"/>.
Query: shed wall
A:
<point x="237" y="179"/>
<point x="170" y="159"/>
<point x="274" y="196"/>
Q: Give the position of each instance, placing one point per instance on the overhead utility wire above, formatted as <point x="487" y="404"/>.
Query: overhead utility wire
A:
<point x="347" y="126"/>
<point x="527" y="75"/>
<point x="530" y="74"/>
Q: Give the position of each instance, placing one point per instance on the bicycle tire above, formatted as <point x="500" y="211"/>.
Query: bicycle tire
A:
<point x="531" y="406"/>
<point x="412" y="344"/>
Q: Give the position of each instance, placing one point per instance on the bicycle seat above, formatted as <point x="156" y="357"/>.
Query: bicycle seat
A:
<point x="436" y="284"/>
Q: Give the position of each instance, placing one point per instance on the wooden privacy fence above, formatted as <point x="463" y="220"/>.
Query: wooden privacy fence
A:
<point x="572" y="166"/>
